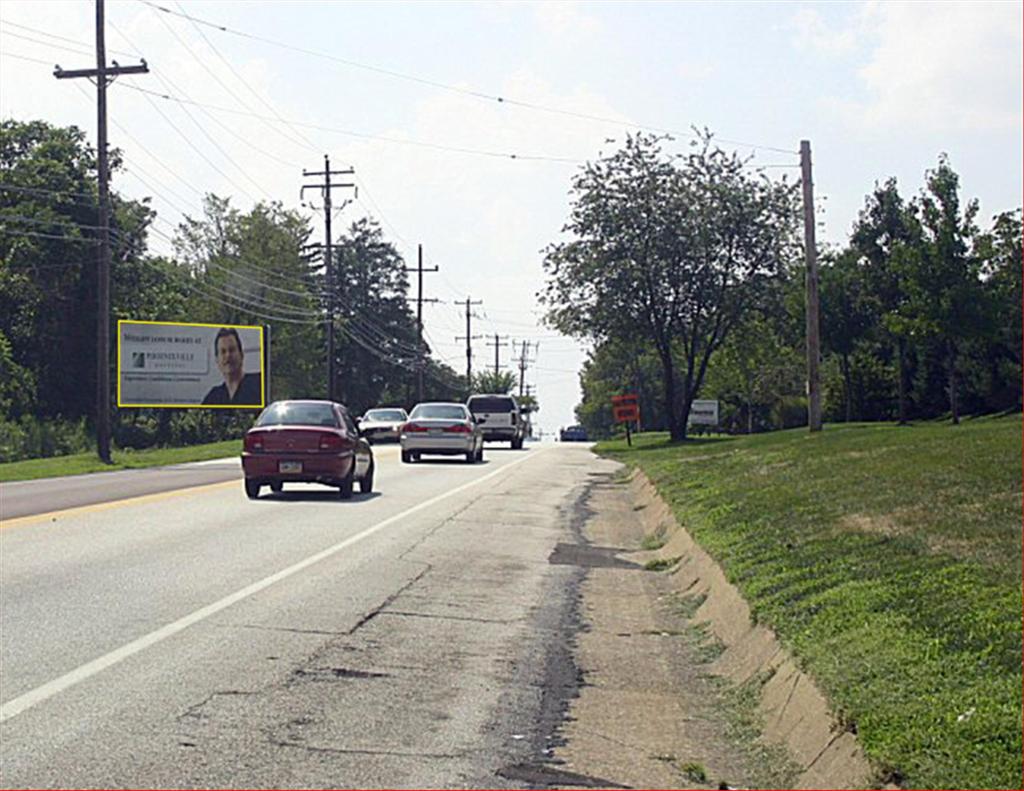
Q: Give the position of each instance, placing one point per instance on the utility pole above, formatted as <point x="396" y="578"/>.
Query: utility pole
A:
<point x="103" y="75"/>
<point x="498" y="343"/>
<point x="325" y="190"/>
<point x="419" y="317"/>
<point x="469" y="337"/>
<point x="522" y="365"/>
<point x="813" y="307"/>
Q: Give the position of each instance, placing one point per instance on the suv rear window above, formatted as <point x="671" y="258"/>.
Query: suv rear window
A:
<point x="491" y="405"/>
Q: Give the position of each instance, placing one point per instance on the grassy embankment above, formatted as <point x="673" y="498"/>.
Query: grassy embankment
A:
<point x="123" y="460"/>
<point x="888" y="560"/>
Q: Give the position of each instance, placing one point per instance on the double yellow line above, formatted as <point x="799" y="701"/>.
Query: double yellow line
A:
<point x="53" y="516"/>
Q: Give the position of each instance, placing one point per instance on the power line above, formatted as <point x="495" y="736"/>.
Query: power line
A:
<point x="489" y="97"/>
<point x="367" y="136"/>
<point x="60" y="38"/>
<point x="219" y="81"/>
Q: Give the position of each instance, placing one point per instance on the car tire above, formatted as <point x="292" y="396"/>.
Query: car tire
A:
<point x="470" y="456"/>
<point x="406" y="457"/>
<point x="480" y="453"/>
<point x="347" y="484"/>
<point x="252" y="488"/>
<point x="366" y="484"/>
<point x="277" y="487"/>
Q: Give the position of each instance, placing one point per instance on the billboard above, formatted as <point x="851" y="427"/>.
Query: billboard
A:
<point x="167" y="364"/>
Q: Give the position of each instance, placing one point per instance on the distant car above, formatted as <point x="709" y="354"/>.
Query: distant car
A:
<point x="499" y="418"/>
<point x="444" y="429"/>
<point x="306" y="442"/>
<point x="573" y="434"/>
<point x="382" y="425"/>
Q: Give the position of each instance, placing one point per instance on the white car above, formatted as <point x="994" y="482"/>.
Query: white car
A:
<point x="443" y="429"/>
<point x="382" y="425"/>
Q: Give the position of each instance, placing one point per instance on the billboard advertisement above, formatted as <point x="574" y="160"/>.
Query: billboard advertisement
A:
<point x="168" y="364"/>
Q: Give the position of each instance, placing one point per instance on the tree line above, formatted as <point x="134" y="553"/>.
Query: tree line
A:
<point x="228" y="266"/>
<point x="686" y="271"/>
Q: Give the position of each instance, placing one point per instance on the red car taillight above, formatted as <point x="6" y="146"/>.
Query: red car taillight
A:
<point x="253" y="443"/>
<point x="458" y="428"/>
<point x="413" y="428"/>
<point x="331" y="442"/>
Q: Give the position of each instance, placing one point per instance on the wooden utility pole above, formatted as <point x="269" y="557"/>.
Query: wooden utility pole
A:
<point x="469" y="337"/>
<point x="813" y="306"/>
<point x="522" y="365"/>
<point x="420" y="362"/>
<point x="103" y="75"/>
<point x="325" y="190"/>
<point x="498" y="343"/>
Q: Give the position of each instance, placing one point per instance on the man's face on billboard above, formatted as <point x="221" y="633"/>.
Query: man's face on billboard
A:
<point x="229" y="357"/>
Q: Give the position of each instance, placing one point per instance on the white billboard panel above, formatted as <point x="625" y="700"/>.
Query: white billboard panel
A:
<point x="168" y="364"/>
<point x="703" y="413"/>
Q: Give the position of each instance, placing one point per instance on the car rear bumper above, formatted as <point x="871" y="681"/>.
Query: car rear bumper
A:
<point x="462" y="443"/>
<point x="503" y="433"/>
<point x="380" y="434"/>
<point x="316" y="468"/>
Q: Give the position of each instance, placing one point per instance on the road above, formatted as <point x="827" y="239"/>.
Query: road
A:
<point x="414" y="637"/>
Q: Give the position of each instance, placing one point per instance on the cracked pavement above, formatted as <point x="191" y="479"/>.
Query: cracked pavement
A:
<point x="436" y="652"/>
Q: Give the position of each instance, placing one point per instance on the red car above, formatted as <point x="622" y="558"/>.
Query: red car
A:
<point x="306" y="442"/>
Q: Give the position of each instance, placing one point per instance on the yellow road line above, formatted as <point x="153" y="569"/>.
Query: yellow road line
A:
<point x="53" y="516"/>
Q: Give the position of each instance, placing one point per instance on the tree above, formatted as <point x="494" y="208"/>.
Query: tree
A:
<point x="943" y="275"/>
<point x="671" y="251"/>
<point x="846" y="313"/>
<point x="999" y="252"/>
<point x="886" y="225"/>
<point x="48" y="236"/>
<point x="376" y="329"/>
<point x="249" y="268"/>
<point x="493" y="381"/>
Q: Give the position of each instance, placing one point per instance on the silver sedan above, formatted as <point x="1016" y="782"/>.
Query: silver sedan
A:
<point x="443" y="429"/>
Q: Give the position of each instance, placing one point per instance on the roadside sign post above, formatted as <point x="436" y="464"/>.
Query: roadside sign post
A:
<point x="626" y="409"/>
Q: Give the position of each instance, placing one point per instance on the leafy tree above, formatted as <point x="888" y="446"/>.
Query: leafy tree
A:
<point x="672" y="251"/>
<point x="249" y="268"/>
<point x="885" y="226"/>
<point x="943" y="275"/>
<point x="756" y="372"/>
<point x="48" y="233"/>
<point x="376" y="338"/>
<point x="999" y="251"/>
<point x="494" y="381"/>
<point x="846" y="314"/>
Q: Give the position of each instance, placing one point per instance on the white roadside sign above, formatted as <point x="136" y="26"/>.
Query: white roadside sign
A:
<point x="703" y="413"/>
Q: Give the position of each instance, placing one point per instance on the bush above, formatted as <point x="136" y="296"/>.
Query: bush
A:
<point x="31" y="438"/>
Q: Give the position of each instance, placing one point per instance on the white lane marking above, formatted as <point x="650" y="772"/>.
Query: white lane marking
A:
<point x="209" y="462"/>
<point x="48" y="690"/>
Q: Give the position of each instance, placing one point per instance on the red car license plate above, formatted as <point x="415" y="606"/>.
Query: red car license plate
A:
<point x="289" y="466"/>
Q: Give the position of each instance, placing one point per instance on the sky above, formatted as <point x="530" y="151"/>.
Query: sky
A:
<point x="406" y="95"/>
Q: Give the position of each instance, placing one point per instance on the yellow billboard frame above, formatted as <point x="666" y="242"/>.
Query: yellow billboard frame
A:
<point x="263" y="387"/>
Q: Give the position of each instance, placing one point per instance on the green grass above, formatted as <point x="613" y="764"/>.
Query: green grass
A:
<point x="123" y="459"/>
<point x="888" y="560"/>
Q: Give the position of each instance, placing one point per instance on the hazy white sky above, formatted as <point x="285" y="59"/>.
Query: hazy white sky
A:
<point x="880" y="89"/>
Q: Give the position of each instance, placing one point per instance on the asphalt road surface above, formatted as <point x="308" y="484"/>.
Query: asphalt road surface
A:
<point x="23" y="498"/>
<point x="413" y="637"/>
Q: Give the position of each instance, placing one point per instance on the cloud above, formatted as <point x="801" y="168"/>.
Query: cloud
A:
<point x="939" y="66"/>
<point x="810" y="32"/>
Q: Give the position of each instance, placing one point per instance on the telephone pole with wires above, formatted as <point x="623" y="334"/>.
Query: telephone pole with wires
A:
<point x="811" y="285"/>
<point x="469" y="338"/>
<point x="325" y="190"/>
<point x="498" y="343"/>
<point x="103" y="75"/>
<point x="524" y="349"/>
<point x="420" y="361"/>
